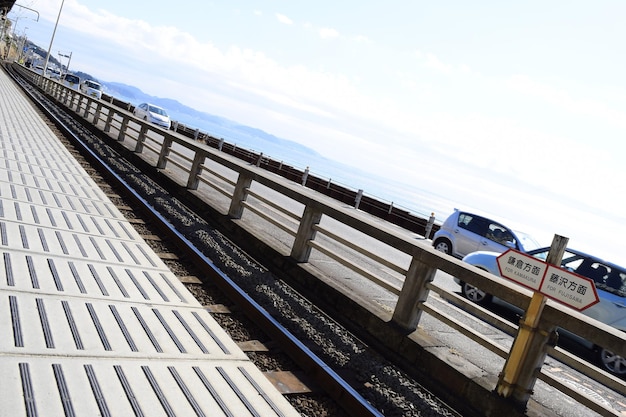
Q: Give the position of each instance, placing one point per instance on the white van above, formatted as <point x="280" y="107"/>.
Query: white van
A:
<point x="91" y="88"/>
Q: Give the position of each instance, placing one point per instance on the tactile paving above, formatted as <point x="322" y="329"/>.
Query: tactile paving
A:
<point x="92" y="322"/>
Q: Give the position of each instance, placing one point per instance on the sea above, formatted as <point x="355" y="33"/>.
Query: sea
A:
<point x="542" y="216"/>
<point x="409" y="197"/>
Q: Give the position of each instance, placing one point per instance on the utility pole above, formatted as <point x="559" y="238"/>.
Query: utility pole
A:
<point x="45" y="65"/>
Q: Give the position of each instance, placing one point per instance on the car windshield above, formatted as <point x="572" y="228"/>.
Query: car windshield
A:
<point x="93" y="85"/>
<point x="527" y="241"/>
<point x="157" y="110"/>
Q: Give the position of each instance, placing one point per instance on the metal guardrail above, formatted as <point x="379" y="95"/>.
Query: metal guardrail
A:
<point x="303" y="216"/>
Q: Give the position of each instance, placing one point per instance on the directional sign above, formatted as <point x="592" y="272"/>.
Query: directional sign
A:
<point x="574" y="290"/>
<point x="522" y="268"/>
<point x="559" y="284"/>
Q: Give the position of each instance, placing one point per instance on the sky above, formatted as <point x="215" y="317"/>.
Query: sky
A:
<point x="516" y="110"/>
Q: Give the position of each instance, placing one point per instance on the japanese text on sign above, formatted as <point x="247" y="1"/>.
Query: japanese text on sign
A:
<point x="576" y="291"/>
<point x="559" y="284"/>
<point x="522" y="268"/>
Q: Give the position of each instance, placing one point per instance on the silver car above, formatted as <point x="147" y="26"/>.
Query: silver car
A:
<point x="610" y="281"/>
<point x="154" y="114"/>
<point x="464" y="233"/>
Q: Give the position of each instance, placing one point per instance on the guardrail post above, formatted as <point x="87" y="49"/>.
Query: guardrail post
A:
<point x="221" y="145"/>
<point x="357" y="200"/>
<point x="122" y="133"/>
<point x="107" y="124"/>
<point x="301" y="250"/>
<point x="141" y="138"/>
<point x="240" y="195"/>
<point x="69" y="100"/>
<point x="78" y="100"/>
<point x="305" y="175"/>
<point x="196" y="169"/>
<point x="87" y="108"/>
<point x="258" y="161"/>
<point x="96" y="116"/>
<point x="165" y="152"/>
<point x="63" y="96"/>
<point x="429" y="225"/>
<point x="80" y="103"/>
<point x="407" y="313"/>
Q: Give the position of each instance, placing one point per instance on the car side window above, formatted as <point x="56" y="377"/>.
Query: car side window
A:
<point x="571" y="264"/>
<point x="500" y="234"/>
<point x="464" y="220"/>
<point x="600" y="274"/>
<point x="615" y="281"/>
<point x="474" y="224"/>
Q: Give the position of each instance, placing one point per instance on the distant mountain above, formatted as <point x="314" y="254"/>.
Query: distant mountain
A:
<point x="233" y="132"/>
<point x="288" y="151"/>
<point x="253" y="138"/>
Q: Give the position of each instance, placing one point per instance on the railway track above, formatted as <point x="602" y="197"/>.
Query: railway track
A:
<point x="320" y="367"/>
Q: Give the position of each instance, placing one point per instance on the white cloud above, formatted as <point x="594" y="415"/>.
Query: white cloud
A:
<point x="284" y="19"/>
<point x="327" y="33"/>
<point x="431" y="61"/>
<point x="564" y="99"/>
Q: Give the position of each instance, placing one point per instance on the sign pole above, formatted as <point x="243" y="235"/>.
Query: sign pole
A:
<point x="528" y="352"/>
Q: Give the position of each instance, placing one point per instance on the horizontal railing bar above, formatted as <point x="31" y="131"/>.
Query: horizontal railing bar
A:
<point x="216" y="187"/>
<point x="475" y="310"/>
<point x="354" y="267"/>
<point x="146" y="144"/>
<point x="178" y="164"/>
<point x="218" y="175"/>
<point x="469" y="332"/>
<point x="274" y="206"/>
<point x="579" y="396"/>
<point x="180" y="155"/>
<point x="592" y="371"/>
<point x="269" y="218"/>
<point x="360" y="250"/>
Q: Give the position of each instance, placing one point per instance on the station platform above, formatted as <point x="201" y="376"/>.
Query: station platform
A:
<point x="92" y="322"/>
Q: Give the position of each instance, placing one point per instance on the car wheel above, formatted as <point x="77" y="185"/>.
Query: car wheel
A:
<point x="443" y="245"/>
<point x="475" y="294"/>
<point x="611" y="362"/>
